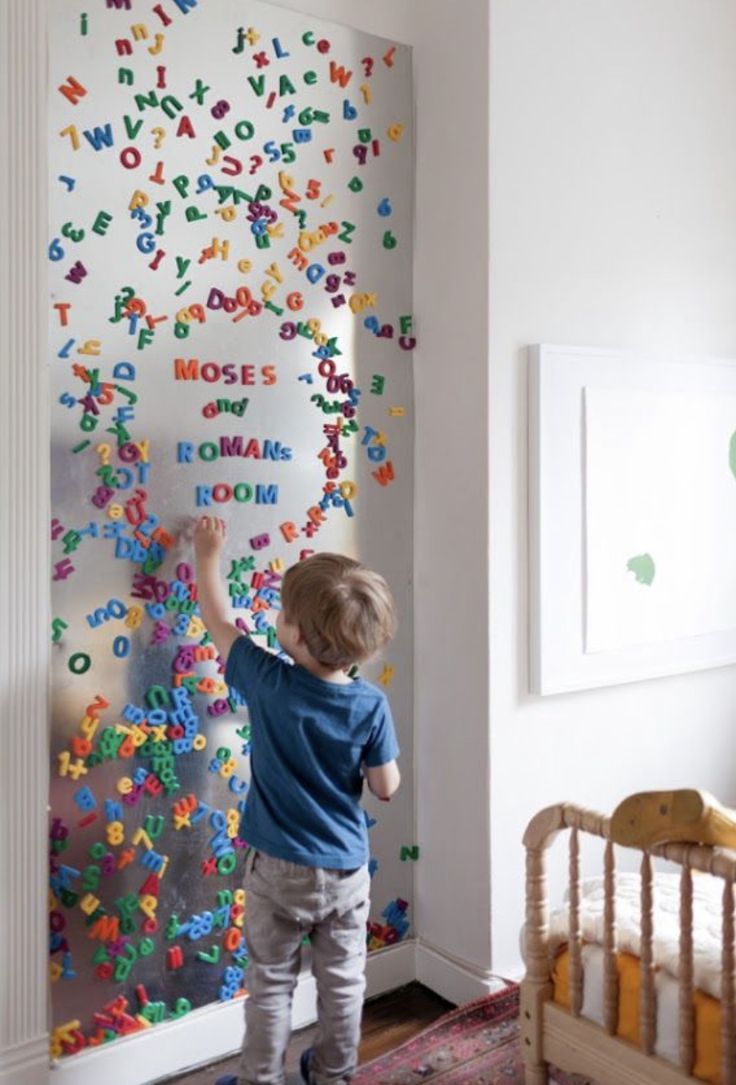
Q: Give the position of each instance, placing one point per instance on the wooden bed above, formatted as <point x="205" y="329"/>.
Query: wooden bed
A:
<point x="564" y="1038"/>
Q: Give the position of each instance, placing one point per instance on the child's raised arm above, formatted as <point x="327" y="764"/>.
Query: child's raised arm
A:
<point x="209" y="539"/>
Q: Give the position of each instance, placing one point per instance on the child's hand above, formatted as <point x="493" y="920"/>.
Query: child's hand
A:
<point x="209" y="537"/>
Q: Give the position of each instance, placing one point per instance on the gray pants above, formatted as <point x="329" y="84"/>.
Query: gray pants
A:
<point x="285" y="901"/>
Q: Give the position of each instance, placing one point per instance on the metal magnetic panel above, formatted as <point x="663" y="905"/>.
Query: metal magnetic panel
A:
<point x="228" y="277"/>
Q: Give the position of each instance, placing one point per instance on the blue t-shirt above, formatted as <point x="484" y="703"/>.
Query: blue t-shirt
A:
<point x="308" y="741"/>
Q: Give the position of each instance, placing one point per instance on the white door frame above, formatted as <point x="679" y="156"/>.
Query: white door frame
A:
<point x="24" y="532"/>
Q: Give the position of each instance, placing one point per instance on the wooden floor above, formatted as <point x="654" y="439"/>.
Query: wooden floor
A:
<point x="387" y="1022"/>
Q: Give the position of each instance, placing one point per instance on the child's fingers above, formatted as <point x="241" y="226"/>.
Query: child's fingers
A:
<point x="211" y="524"/>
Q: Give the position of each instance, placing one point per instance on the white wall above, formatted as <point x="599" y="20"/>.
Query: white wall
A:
<point x="613" y="224"/>
<point x="451" y="546"/>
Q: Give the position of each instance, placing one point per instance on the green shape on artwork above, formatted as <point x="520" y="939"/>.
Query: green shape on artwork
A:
<point x="642" y="566"/>
<point x="732" y="454"/>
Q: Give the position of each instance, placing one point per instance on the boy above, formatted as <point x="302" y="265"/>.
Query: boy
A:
<point x="317" y="734"/>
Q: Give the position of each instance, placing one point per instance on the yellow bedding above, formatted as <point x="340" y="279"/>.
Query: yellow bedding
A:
<point x="707" y="1013"/>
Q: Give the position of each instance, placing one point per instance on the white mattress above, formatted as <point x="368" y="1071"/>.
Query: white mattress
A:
<point x="667" y="1041"/>
<point x="707" y="941"/>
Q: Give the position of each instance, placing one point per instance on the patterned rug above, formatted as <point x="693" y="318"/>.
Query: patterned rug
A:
<point x="476" y="1044"/>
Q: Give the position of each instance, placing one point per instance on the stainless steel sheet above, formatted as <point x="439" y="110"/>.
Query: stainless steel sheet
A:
<point x="193" y="368"/>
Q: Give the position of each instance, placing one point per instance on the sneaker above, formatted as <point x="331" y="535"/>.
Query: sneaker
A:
<point x="227" y="1079"/>
<point x="305" y="1064"/>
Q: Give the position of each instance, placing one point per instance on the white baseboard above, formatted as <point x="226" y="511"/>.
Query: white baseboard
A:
<point x="390" y="968"/>
<point x="455" y="979"/>
<point x="26" y="1064"/>
<point x="205" y="1035"/>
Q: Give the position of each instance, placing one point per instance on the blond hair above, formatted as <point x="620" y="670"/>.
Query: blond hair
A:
<point x="345" y="612"/>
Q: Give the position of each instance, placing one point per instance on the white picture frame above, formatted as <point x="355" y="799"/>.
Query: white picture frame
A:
<point x="558" y="379"/>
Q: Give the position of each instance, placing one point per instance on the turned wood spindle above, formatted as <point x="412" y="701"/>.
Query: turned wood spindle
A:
<point x="537" y="917"/>
<point x="686" y="1009"/>
<point x="610" y="970"/>
<point x="575" y="938"/>
<point x="647" y="997"/>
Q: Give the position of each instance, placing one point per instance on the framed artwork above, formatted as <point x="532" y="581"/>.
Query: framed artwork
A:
<point x="632" y="476"/>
